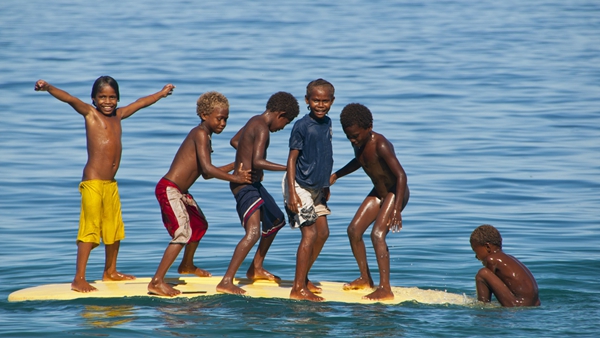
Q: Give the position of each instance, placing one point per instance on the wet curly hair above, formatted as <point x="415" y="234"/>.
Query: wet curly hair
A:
<point x="319" y="83"/>
<point x="486" y="234"/>
<point x="356" y="114"/>
<point x="284" y="102"/>
<point x="208" y="101"/>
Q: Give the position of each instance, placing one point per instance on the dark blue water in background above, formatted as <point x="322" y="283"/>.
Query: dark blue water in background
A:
<point x="493" y="109"/>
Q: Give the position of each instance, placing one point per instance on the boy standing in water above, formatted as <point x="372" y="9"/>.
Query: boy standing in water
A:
<point x="502" y="275"/>
<point x="181" y="215"/>
<point x="100" y="204"/>
<point x="383" y="205"/>
<point x="306" y="183"/>
<point x="254" y="203"/>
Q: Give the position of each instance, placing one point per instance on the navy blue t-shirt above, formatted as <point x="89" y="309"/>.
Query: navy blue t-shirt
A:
<point x="313" y="139"/>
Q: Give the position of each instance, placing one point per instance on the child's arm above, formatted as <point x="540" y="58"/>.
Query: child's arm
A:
<point x="145" y="101"/>
<point x="259" y="161"/>
<point x="293" y="201"/>
<point x="226" y="168"/>
<point x="79" y="106"/>
<point x="385" y="150"/>
<point x="202" y="140"/>
<point x="349" y="168"/>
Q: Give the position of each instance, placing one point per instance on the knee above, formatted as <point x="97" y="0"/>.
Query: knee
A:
<point x="323" y="234"/>
<point x="378" y="236"/>
<point x="482" y="274"/>
<point x="353" y="233"/>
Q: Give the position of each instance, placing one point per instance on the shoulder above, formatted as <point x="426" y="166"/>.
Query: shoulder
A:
<point x="199" y="134"/>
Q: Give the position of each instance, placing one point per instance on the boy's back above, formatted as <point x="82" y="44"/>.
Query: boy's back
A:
<point x="502" y="275"/>
<point x="253" y="140"/>
<point x="515" y="275"/>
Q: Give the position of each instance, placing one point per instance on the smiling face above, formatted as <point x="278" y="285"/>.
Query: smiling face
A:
<point x="216" y="121"/>
<point x="320" y="100"/>
<point x="106" y="100"/>
<point x="358" y="136"/>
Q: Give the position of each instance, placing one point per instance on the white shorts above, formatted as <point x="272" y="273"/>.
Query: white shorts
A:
<point x="314" y="204"/>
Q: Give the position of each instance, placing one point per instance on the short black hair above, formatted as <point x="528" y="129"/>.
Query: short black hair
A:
<point x="486" y="234"/>
<point x="356" y="114"/>
<point x="103" y="81"/>
<point x="284" y="102"/>
<point x="319" y="83"/>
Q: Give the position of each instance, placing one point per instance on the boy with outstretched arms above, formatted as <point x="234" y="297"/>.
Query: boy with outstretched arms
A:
<point x="306" y="183"/>
<point x="253" y="203"/>
<point x="181" y="215"/>
<point x="502" y="275"/>
<point x="100" y="204"/>
<point x="383" y="205"/>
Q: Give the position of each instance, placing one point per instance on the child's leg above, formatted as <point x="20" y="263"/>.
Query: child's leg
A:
<point x="187" y="266"/>
<point x="83" y="254"/>
<point x="487" y="283"/>
<point x="157" y="285"/>
<point x="252" y="236"/>
<point x="110" y="264"/>
<point x="365" y="215"/>
<point x="322" y="229"/>
<point x="380" y="231"/>
<point x="256" y="271"/>
<point x="303" y="256"/>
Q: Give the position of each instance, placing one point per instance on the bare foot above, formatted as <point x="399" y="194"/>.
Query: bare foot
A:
<point x="380" y="294"/>
<point x="313" y="288"/>
<point x="116" y="276"/>
<point x="162" y="289"/>
<point x="81" y="285"/>
<point x="261" y="274"/>
<point x="193" y="270"/>
<point x="359" y="284"/>
<point x="305" y="294"/>
<point x="228" y="287"/>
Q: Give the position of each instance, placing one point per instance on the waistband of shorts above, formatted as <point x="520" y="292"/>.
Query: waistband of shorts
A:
<point x="170" y="183"/>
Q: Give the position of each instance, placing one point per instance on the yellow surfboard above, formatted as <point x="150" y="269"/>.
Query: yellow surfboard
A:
<point x="206" y="286"/>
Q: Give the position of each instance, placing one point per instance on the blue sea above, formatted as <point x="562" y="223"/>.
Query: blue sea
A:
<point x="493" y="108"/>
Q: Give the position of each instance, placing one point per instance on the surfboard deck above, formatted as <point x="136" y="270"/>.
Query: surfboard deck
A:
<point x="206" y="286"/>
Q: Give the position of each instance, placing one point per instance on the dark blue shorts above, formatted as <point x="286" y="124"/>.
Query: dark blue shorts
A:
<point x="254" y="197"/>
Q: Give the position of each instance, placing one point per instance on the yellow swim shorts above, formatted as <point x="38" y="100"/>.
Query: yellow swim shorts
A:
<point x="100" y="212"/>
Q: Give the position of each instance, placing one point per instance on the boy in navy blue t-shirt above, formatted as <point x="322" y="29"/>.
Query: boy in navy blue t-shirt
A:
<point x="306" y="183"/>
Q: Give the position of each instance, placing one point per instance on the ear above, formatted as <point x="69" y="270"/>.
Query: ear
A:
<point x="488" y="247"/>
<point x="306" y="97"/>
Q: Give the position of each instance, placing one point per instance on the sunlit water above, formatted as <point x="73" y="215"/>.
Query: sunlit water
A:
<point x="492" y="108"/>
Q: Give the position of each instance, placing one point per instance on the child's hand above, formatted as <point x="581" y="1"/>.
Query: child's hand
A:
<point x="332" y="179"/>
<point x="41" y="85"/>
<point x="167" y="90"/>
<point x="395" y="222"/>
<point x="243" y="176"/>
<point x="293" y="203"/>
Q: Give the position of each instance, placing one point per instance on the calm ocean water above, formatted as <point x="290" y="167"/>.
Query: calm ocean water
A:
<point x="493" y="109"/>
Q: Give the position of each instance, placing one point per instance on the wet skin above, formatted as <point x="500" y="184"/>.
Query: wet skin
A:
<point x="251" y="143"/>
<point x="505" y="277"/>
<point x="375" y="154"/>
<point x="192" y="160"/>
<point x="103" y="134"/>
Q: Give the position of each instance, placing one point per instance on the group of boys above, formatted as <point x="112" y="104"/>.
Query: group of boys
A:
<point x="308" y="176"/>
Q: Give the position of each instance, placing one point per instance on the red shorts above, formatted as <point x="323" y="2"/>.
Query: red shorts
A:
<point x="182" y="217"/>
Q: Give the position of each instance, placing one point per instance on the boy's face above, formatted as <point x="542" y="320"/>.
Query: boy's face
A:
<point x="217" y="120"/>
<point x="279" y="123"/>
<point x="358" y="136"/>
<point x="319" y="101"/>
<point x="106" y="100"/>
<point x="481" y="251"/>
